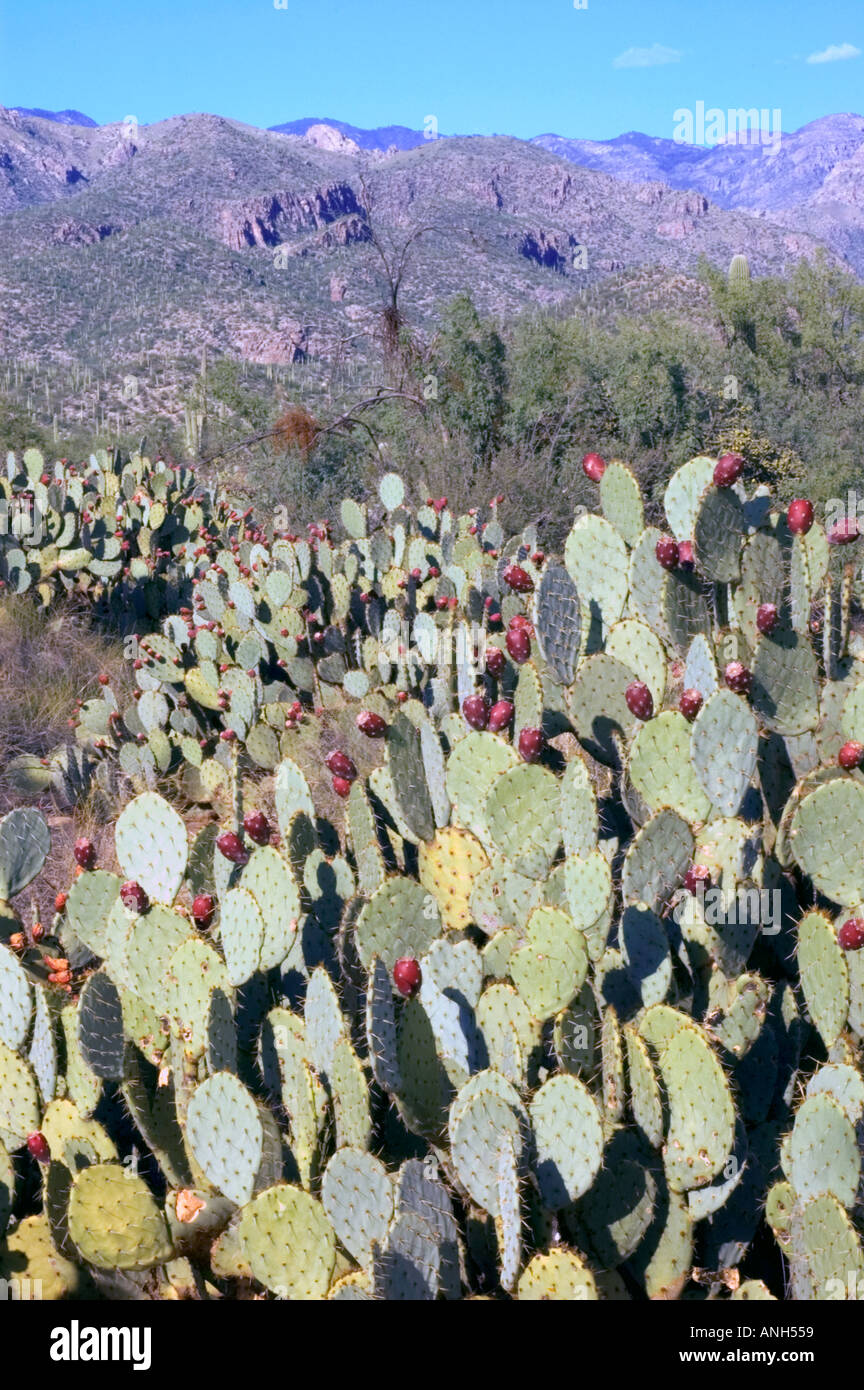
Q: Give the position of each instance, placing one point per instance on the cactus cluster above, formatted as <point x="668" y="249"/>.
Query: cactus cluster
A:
<point x="499" y="1017"/>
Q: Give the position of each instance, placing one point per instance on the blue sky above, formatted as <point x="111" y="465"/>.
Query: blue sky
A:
<point x="523" y="67"/>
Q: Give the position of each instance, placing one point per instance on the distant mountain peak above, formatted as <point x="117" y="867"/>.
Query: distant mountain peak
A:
<point x="59" y="117"/>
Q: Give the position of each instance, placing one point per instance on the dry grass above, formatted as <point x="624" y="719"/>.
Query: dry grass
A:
<point x="48" y="661"/>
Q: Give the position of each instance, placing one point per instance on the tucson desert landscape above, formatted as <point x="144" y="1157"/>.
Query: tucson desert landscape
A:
<point x="432" y="662"/>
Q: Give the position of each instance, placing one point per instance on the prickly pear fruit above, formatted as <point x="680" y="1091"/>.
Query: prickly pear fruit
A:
<point x="737" y="677"/>
<point x="342" y="786"/>
<point x="697" y="878"/>
<point x="495" y="661"/>
<point x="257" y="827"/>
<point x="60" y="902"/>
<point x="202" y="910"/>
<point x="407" y="976"/>
<point x="38" y="1146"/>
<point x="500" y="716"/>
<point x="232" y="847"/>
<point x="685" y="555"/>
<point x="341" y="765"/>
<point x="518" y="644"/>
<point x="667" y="552"/>
<point x="85" y="853"/>
<point x="639" y="699"/>
<point x="531" y="744"/>
<point x="475" y="709"/>
<point x="518" y="579"/>
<point x="690" y="704"/>
<point x="799" y="517"/>
<point x="371" y="724"/>
<point x="133" y="897"/>
<point x="728" y="470"/>
<point x="851" y="934"/>
<point x="851" y="755"/>
<point x="593" y="467"/>
<point x="843" y="532"/>
<point x="766" y="618"/>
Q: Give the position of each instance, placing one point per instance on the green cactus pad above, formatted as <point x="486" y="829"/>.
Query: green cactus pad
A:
<point x="657" y="860"/>
<point x="683" y="495"/>
<point x="401" y="919"/>
<point x="661" y="769"/>
<point x="16" y="1001"/>
<point x="100" y="1028"/>
<point x="823" y="1151"/>
<point x="824" y="972"/>
<point x="551" y="967"/>
<point x="19" y="1099"/>
<point x="522" y="812"/>
<point x="485" y="1111"/>
<point x="645" y="1099"/>
<point x="114" y="1221"/>
<point x="357" y="1195"/>
<point x="24" y="844"/>
<point x="825" y="836"/>
<point x="599" y="709"/>
<point x="225" y="1135"/>
<point x="152" y="850"/>
<point x="785" y="691"/>
<point x="717" y="534"/>
<point x="685" y="608"/>
<point x="701" y="1127"/>
<point x="596" y="560"/>
<point x="568" y="1136"/>
<point x="289" y="1243"/>
<point x="559" y="1276"/>
<point x="558" y="622"/>
<point x="723" y="749"/>
<point x="645" y="948"/>
<point x="474" y="766"/>
<point x="621" y="501"/>
<point x="825" y="1257"/>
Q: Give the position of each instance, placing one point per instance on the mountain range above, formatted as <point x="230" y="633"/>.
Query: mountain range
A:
<point x="269" y="245"/>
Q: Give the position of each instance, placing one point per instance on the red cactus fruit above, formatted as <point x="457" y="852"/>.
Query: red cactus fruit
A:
<point x="342" y="786"/>
<point x="371" y="724"/>
<point x="500" y="716"/>
<point x="697" y="879"/>
<point x="851" y="934"/>
<point x="667" y="552"/>
<point x="799" y="517"/>
<point x="851" y="755"/>
<point x="518" y="644"/>
<point x="690" y="703"/>
<point x="341" y="765"/>
<point x="728" y="470"/>
<point x="767" y="618"/>
<point x="518" y="580"/>
<point x="639" y="700"/>
<point x="495" y="661"/>
<point x="531" y="745"/>
<point x="38" y="1147"/>
<point x="407" y="976"/>
<point x="593" y="466"/>
<point x="84" y="853"/>
<point x="231" y="847"/>
<point x="475" y="710"/>
<point x="133" y="897"/>
<point x="738" y="678"/>
<point x="257" y="827"/>
<point x="202" y="910"/>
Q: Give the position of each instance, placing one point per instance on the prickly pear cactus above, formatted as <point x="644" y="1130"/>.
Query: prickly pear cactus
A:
<point x="520" y="953"/>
